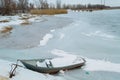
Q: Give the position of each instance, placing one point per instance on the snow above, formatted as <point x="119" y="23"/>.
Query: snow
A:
<point x="99" y="34"/>
<point x="65" y="61"/>
<point x="65" y="58"/>
<point x="36" y="19"/>
<point x="45" y="39"/>
<point x="24" y="74"/>
<point x="100" y="65"/>
<point x="60" y="62"/>
<point x="13" y="20"/>
<point x="91" y="64"/>
<point x="39" y="64"/>
<point x="62" y="36"/>
<point x="52" y="30"/>
<point x="16" y="20"/>
<point x="61" y="53"/>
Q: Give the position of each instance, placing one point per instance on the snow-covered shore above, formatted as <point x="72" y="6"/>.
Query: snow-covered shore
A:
<point x="15" y="20"/>
<point x="23" y="74"/>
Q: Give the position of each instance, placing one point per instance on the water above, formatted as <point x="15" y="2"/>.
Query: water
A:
<point x="95" y="35"/>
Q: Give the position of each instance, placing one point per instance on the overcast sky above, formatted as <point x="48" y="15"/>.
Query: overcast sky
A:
<point x="108" y="2"/>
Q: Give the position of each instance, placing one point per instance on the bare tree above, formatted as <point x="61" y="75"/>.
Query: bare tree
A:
<point x="23" y="5"/>
<point x="1" y="3"/>
<point x="43" y="4"/>
<point x="5" y="7"/>
<point x="31" y="6"/>
<point x="58" y="4"/>
<point x="51" y="6"/>
<point x="13" y="6"/>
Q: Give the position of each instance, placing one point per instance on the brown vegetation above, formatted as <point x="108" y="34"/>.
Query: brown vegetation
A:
<point x="3" y="21"/>
<point x="3" y="78"/>
<point x="48" y="11"/>
<point x="11" y="7"/>
<point x="6" y="29"/>
<point x="7" y="7"/>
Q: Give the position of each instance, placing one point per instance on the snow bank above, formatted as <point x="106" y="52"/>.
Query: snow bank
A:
<point x="91" y="64"/>
<point x="17" y="20"/>
<point x="13" y="20"/>
<point x="45" y="39"/>
<point x="99" y="65"/>
<point x="65" y="58"/>
<point x="24" y="74"/>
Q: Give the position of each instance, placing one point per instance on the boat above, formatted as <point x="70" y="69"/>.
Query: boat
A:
<point x="48" y="65"/>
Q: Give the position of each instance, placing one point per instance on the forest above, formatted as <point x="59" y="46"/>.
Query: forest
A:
<point x="10" y="7"/>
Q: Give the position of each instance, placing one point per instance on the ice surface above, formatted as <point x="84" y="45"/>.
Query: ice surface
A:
<point x="91" y="64"/>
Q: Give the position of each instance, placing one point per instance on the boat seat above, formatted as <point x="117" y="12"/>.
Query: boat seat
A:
<point x="49" y="64"/>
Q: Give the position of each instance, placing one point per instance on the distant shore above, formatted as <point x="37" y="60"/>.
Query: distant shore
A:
<point x="96" y="9"/>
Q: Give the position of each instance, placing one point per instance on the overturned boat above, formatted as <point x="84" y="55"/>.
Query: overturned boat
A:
<point x="53" y="65"/>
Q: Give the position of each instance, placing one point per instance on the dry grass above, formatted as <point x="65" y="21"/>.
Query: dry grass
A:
<point x="3" y="78"/>
<point x="4" y="21"/>
<point x="6" y="29"/>
<point x="49" y="11"/>
<point x="25" y="22"/>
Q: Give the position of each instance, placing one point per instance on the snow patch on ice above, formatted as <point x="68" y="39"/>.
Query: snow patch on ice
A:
<point x="99" y="33"/>
<point x="99" y="65"/>
<point x="45" y="39"/>
<point x="62" y="35"/>
<point x="61" y="53"/>
<point x="36" y="19"/>
<point x="52" y="30"/>
<point x="91" y="64"/>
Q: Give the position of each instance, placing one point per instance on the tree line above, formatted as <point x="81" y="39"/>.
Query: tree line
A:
<point x="8" y="7"/>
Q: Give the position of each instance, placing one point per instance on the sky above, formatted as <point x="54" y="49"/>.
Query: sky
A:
<point x="107" y="2"/>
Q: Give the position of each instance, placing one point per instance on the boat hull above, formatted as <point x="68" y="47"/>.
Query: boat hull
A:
<point x="52" y="70"/>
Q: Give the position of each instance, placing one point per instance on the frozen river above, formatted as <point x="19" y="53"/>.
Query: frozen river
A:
<point x="93" y="35"/>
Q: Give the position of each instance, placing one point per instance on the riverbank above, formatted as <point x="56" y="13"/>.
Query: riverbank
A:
<point x="22" y="73"/>
<point x="33" y="33"/>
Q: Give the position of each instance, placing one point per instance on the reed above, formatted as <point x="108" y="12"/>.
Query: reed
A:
<point x="3" y="78"/>
<point x="48" y="11"/>
<point x="4" y="21"/>
<point x="6" y="29"/>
